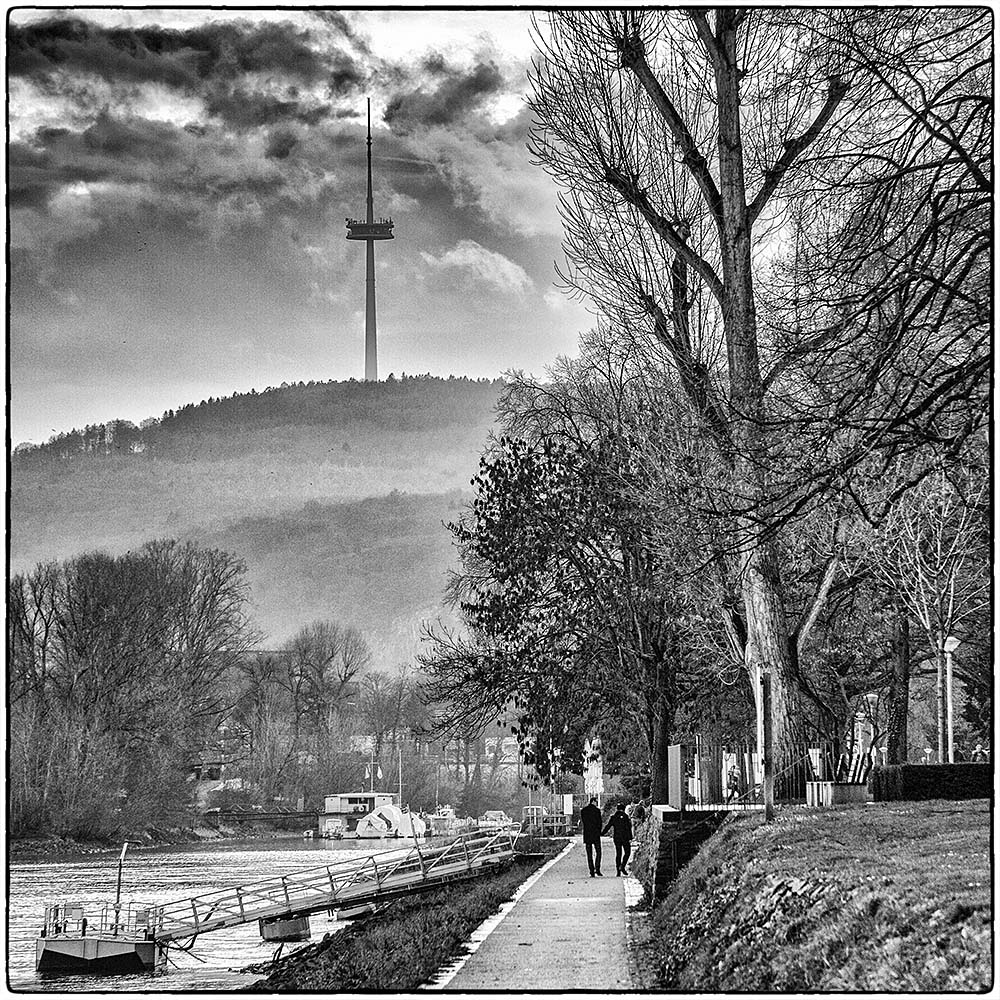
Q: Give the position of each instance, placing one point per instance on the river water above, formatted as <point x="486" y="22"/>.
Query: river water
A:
<point x="158" y="876"/>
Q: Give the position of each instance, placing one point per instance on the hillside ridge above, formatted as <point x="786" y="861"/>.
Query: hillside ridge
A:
<point x="379" y="404"/>
<point x="334" y="494"/>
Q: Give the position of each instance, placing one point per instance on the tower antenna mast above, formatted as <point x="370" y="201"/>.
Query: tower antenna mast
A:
<point x="370" y="230"/>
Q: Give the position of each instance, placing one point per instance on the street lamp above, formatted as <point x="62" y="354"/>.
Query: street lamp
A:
<point x="950" y="645"/>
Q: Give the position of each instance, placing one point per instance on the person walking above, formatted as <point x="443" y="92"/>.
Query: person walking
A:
<point x="590" y="817"/>
<point x="732" y="784"/>
<point x="621" y="826"/>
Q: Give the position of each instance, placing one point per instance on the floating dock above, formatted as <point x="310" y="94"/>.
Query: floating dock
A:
<point x="99" y="939"/>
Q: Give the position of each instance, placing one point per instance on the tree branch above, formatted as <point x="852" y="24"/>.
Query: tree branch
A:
<point x="694" y="377"/>
<point x="630" y="191"/>
<point x="793" y="147"/>
<point x="811" y="612"/>
<point x="706" y="35"/>
<point x="633" y="57"/>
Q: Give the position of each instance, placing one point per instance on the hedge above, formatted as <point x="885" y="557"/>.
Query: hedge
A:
<point x="916" y="782"/>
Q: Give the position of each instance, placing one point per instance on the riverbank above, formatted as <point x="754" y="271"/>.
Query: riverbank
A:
<point x="887" y="897"/>
<point x="402" y="947"/>
<point x="42" y="848"/>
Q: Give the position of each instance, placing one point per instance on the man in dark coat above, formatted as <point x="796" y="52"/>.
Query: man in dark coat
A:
<point x="621" y="826"/>
<point x="590" y="817"/>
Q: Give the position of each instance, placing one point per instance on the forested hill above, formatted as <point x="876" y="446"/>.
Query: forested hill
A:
<point x="333" y="493"/>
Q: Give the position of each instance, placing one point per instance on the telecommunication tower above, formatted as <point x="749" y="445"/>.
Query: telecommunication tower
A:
<point x="370" y="229"/>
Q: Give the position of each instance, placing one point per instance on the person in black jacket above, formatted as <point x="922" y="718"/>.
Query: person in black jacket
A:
<point x="590" y="817"/>
<point x="622" y="836"/>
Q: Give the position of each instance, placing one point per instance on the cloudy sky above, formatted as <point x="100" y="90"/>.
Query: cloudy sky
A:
<point x="179" y="181"/>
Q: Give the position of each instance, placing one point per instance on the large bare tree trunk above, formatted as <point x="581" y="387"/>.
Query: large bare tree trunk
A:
<point x="899" y="692"/>
<point x="662" y="726"/>
<point x="768" y="647"/>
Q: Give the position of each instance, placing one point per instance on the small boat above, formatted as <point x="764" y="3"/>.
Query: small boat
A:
<point x="390" y="821"/>
<point x="101" y="938"/>
<point x="494" y="819"/>
<point x="343" y="811"/>
<point x="104" y="939"/>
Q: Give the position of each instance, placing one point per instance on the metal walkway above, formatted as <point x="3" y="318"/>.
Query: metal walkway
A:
<point x="372" y="878"/>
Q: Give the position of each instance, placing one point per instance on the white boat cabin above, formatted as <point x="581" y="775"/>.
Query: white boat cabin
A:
<point x="341" y="812"/>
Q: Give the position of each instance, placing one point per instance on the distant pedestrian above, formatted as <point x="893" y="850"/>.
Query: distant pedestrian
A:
<point x="638" y="811"/>
<point x="590" y="817"/>
<point x="979" y="755"/>
<point x="621" y="826"/>
<point x="733" y="783"/>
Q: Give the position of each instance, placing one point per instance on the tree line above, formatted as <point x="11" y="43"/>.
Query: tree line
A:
<point x="414" y="402"/>
<point x="769" y="457"/>
<point x="127" y="672"/>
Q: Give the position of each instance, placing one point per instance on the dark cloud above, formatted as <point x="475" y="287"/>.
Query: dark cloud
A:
<point x="452" y="99"/>
<point x="220" y="62"/>
<point x="132" y="138"/>
<point x="73" y="46"/>
<point x="242" y="109"/>
<point x="179" y="58"/>
<point x="56" y="158"/>
<point x="30" y="173"/>
<point x="335" y="19"/>
<point x="280" y="144"/>
<point x="345" y="74"/>
<point x="434" y="63"/>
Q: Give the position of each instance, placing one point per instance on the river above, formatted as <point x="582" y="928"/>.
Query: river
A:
<point x="157" y="875"/>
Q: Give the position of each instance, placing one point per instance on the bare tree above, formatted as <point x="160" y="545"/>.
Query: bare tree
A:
<point x="685" y="142"/>
<point x="116" y="667"/>
<point x="931" y="551"/>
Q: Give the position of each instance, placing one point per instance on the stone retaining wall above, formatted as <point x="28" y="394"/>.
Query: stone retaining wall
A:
<point x="660" y="848"/>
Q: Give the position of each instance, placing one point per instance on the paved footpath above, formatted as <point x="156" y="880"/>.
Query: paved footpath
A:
<point x="567" y="932"/>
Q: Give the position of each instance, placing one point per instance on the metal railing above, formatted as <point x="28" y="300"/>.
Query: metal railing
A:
<point x="335" y="886"/>
<point x="130" y="921"/>
<point x="731" y="776"/>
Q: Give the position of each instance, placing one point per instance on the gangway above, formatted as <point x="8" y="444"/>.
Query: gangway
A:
<point x="137" y="936"/>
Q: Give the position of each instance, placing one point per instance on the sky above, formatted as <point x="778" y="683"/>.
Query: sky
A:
<point x="179" y="181"/>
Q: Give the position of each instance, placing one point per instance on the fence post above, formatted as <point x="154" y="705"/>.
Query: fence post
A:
<point x="768" y="749"/>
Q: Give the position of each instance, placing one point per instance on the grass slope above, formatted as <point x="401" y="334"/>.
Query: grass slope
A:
<point x="401" y="948"/>
<point x="884" y="898"/>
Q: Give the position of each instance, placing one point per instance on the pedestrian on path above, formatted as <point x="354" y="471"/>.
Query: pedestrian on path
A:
<point x="590" y="817"/>
<point x="622" y="836"/>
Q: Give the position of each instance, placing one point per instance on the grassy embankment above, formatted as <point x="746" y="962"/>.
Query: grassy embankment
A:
<point x="42" y="848"/>
<point x="402" y="947"/>
<point x="893" y="896"/>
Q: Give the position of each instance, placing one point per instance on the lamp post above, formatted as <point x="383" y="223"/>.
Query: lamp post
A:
<point x="950" y="645"/>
